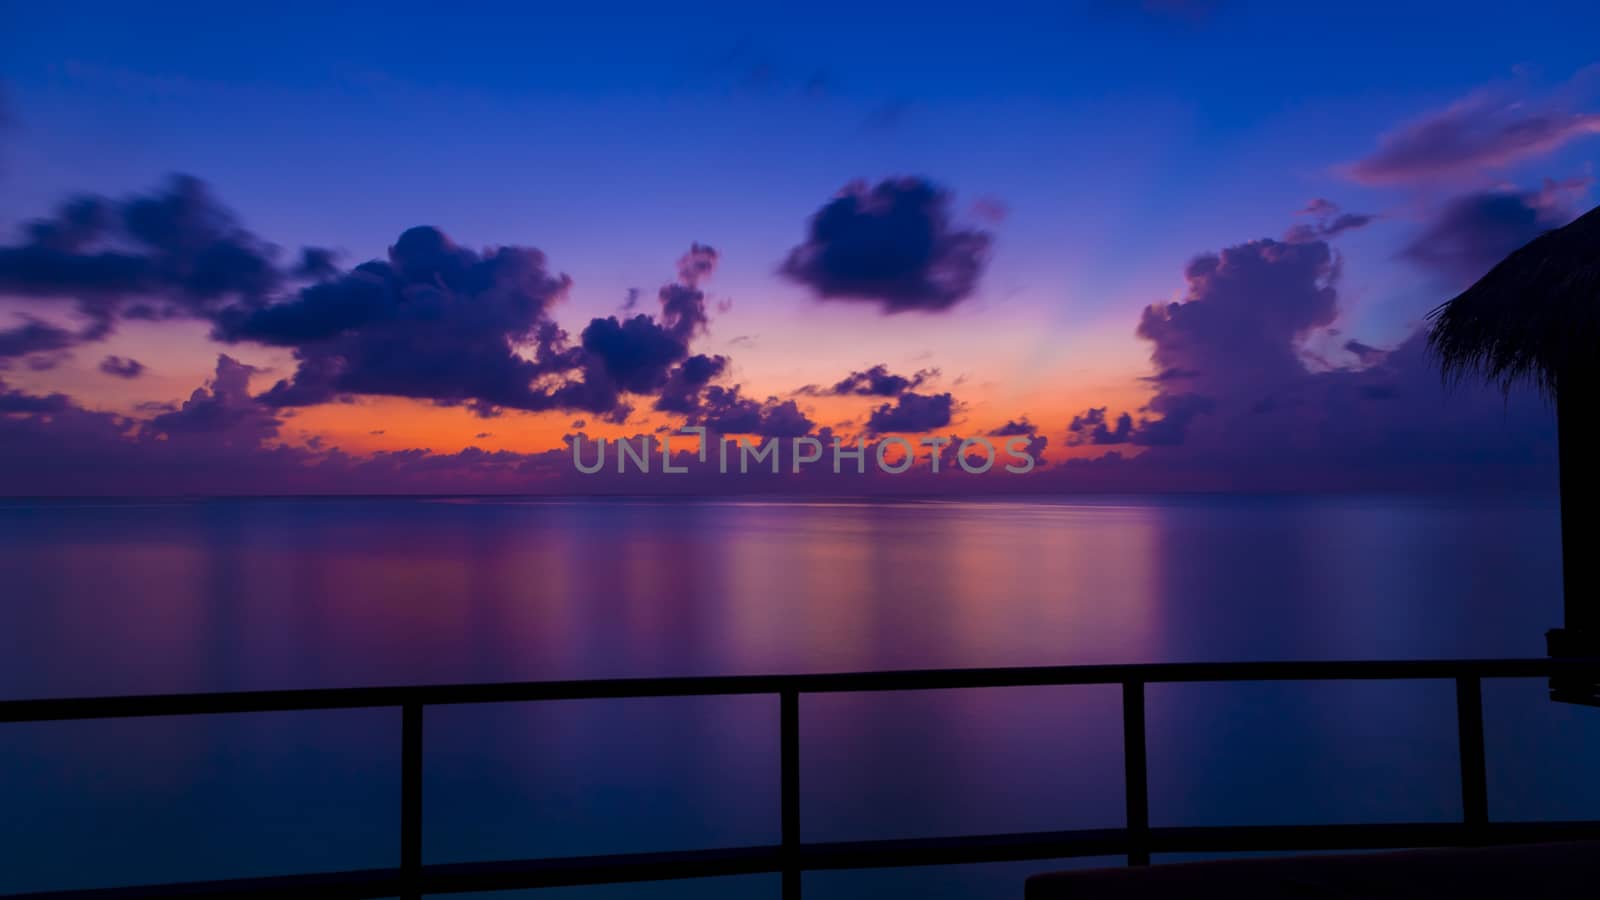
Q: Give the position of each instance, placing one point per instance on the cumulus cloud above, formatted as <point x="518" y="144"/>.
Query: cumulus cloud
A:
<point x="893" y="244"/>
<point x="1474" y="231"/>
<point x="727" y="411"/>
<point x="912" y="413"/>
<point x="683" y="304"/>
<point x="686" y="382"/>
<point x="1090" y="427"/>
<point x="646" y="354"/>
<point x="1015" y="428"/>
<point x="223" y="411"/>
<point x="1167" y="428"/>
<point x="876" y="381"/>
<point x="444" y="323"/>
<point x="1244" y="313"/>
<point x="1240" y="405"/>
<point x="434" y="321"/>
<point x="174" y="252"/>
<point x="1229" y="344"/>
<point x="1487" y="130"/>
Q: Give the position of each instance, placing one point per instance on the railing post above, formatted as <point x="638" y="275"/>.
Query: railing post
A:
<point x="1474" y="774"/>
<point x="411" y="801"/>
<point x="789" y="799"/>
<point x="1136" y="783"/>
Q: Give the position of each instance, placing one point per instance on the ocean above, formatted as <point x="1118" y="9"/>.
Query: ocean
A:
<point x="126" y="597"/>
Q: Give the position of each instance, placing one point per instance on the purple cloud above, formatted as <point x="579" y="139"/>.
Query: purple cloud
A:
<point x="685" y="383"/>
<point x="1252" y="411"/>
<point x="1487" y="130"/>
<point x="34" y="336"/>
<point x="176" y="252"/>
<point x="1475" y="231"/>
<point x="726" y="411"/>
<point x="1015" y="428"/>
<point x="435" y="321"/>
<point x="877" y="381"/>
<point x="1328" y="221"/>
<point x="15" y="401"/>
<point x="223" y="411"/>
<point x="122" y="367"/>
<point x="1090" y="427"/>
<point x="893" y="244"/>
<point x="1244" y="313"/>
<point x="912" y="413"/>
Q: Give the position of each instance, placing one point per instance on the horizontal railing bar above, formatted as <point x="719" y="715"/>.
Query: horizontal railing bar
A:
<point x="130" y="706"/>
<point x="354" y="885"/>
<point x="634" y="867"/>
<point x="588" y="870"/>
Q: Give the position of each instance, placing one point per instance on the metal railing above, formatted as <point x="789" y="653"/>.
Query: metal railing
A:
<point x="791" y="856"/>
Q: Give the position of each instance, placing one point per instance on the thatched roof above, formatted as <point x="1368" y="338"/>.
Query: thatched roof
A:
<point x="1534" y="315"/>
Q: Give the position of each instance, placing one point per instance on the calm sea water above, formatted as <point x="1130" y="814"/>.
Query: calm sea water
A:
<point x="133" y="597"/>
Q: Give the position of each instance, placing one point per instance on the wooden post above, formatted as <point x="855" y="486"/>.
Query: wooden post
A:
<point x="1579" y="495"/>
<point x="1136" y="783"/>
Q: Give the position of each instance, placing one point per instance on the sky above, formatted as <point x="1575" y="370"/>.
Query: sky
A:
<point x="1175" y="244"/>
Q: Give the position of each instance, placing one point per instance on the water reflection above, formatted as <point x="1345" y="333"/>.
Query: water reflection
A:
<point x="132" y="598"/>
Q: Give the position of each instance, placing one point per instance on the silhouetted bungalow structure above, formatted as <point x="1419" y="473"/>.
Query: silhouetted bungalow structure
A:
<point x="1535" y="318"/>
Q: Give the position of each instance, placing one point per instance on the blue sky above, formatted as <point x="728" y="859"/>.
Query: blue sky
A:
<point x="1101" y="144"/>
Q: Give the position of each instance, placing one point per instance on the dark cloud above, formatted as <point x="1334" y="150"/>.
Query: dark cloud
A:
<point x="893" y="244"/>
<point x="1488" y="130"/>
<point x="1328" y="221"/>
<point x="1090" y="428"/>
<point x="685" y="383"/>
<point x="1475" y="231"/>
<point x="34" y="336"/>
<point x="178" y="250"/>
<point x="317" y="263"/>
<point x="1015" y="428"/>
<point x="15" y="401"/>
<point x="645" y="354"/>
<point x="912" y="413"/>
<point x="1167" y="428"/>
<point x="636" y="354"/>
<point x="222" y="412"/>
<point x="726" y="411"/>
<point x="444" y="323"/>
<point x="1365" y="353"/>
<point x="683" y="304"/>
<point x="877" y="381"/>
<point x="1176" y="412"/>
<point x="435" y="321"/>
<point x="122" y="367"/>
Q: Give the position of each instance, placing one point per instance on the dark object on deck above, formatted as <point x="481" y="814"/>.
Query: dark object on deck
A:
<point x="1536" y="318"/>
<point x="1527" y="872"/>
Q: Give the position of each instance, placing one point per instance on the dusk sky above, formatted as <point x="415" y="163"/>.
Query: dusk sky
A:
<point x="1200" y="237"/>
